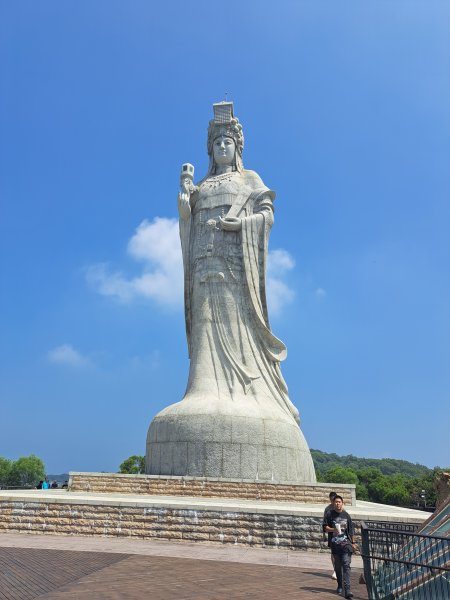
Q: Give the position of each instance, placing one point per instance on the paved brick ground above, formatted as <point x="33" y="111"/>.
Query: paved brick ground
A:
<point x="281" y="557"/>
<point x="27" y="573"/>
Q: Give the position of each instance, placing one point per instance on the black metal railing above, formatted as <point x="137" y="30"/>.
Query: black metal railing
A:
<point x="393" y="526"/>
<point x="404" y="565"/>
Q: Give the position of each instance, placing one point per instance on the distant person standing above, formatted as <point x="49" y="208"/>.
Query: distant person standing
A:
<point x="340" y="532"/>
<point x="40" y="484"/>
<point x="331" y="496"/>
<point x="45" y="485"/>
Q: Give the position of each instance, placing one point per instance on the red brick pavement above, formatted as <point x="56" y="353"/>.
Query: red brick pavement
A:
<point x="68" y="575"/>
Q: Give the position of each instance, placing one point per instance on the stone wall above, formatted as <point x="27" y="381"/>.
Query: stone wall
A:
<point x="314" y="493"/>
<point x="212" y="526"/>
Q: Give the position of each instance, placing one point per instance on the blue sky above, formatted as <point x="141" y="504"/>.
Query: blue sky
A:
<point x="345" y="107"/>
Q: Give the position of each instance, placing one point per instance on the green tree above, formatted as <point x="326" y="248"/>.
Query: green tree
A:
<point x="368" y="475"/>
<point x="397" y="495"/>
<point x="345" y="475"/>
<point x="423" y="489"/>
<point x="5" y="471"/>
<point x="362" y="492"/>
<point x="27" y="471"/>
<point x="341" y="475"/>
<point x="133" y="465"/>
<point x="391" y="489"/>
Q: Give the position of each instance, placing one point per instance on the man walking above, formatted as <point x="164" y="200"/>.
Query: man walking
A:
<point x="339" y="527"/>
<point x="331" y="496"/>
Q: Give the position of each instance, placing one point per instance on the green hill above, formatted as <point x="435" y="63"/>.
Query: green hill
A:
<point x="324" y="462"/>
<point x="385" y="480"/>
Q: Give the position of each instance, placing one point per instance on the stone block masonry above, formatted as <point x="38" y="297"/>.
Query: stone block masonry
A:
<point x="212" y="526"/>
<point x="210" y="520"/>
<point x="153" y="485"/>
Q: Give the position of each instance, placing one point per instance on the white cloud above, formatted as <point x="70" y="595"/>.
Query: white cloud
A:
<point x="157" y="245"/>
<point x="279" y="261"/>
<point x="278" y="292"/>
<point x="278" y="295"/>
<point x="67" y="355"/>
<point x="150" y="361"/>
<point x="320" y="293"/>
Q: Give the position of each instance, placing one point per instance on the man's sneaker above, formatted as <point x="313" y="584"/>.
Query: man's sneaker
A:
<point x="334" y="576"/>
<point x="349" y="595"/>
<point x="339" y="591"/>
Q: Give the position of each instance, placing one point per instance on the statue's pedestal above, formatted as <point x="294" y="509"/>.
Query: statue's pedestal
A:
<point x="237" y="440"/>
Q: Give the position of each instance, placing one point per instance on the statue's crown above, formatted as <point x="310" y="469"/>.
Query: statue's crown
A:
<point x="225" y="123"/>
<point x="223" y="112"/>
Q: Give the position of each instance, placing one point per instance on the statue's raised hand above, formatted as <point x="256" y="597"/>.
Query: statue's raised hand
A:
<point x="184" y="207"/>
<point x="231" y="223"/>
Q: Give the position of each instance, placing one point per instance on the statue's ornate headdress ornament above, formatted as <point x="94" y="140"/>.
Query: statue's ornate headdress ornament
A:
<point x="225" y="123"/>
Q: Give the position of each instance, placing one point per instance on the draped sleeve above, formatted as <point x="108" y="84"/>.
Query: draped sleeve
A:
<point x="255" y="233"/>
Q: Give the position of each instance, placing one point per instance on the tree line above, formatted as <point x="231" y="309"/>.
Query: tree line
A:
<point x="25" y="472"/>
<point x="383" y="480"/>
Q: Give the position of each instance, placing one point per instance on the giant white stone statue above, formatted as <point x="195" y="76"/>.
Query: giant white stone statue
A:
<point x="236" y="419"/>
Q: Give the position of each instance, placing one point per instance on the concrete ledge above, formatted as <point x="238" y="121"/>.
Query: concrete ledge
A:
<point x="157" y="485"/>
<point x="219" y="521"/>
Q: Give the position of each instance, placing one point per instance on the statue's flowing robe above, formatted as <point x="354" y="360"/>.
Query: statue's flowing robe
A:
<point x="234" y="356"/>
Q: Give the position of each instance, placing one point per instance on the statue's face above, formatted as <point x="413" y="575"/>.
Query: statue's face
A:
<point x="223" y="150"/>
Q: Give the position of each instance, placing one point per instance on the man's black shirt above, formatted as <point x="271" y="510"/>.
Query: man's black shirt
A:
<point x="339" y="543"/>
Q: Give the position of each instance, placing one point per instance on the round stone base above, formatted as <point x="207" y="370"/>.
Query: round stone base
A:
<point x="269" y="447"/>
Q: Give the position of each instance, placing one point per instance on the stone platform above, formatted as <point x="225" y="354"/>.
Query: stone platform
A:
<point x="242" y="522"/>
<point x="200" y="487"/>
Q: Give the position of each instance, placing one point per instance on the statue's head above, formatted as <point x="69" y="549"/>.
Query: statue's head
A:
<point x="225" y="126"/>
<point x="224" y="150"/>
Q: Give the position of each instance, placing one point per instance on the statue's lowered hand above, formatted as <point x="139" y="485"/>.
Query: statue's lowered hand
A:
<point x="231" y="224"/>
